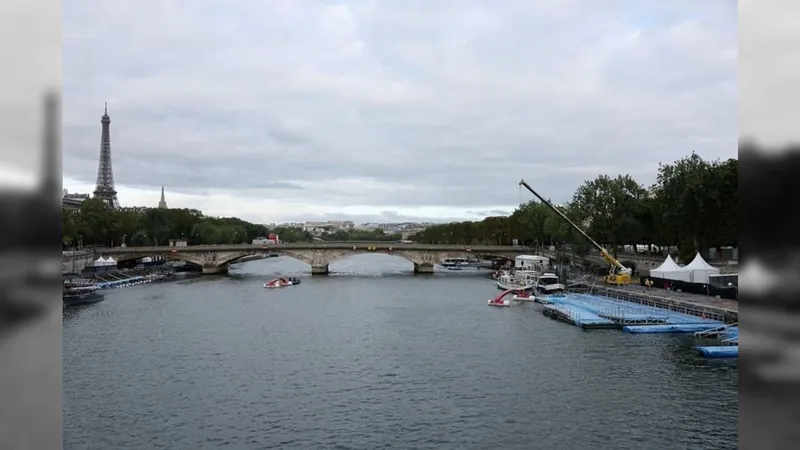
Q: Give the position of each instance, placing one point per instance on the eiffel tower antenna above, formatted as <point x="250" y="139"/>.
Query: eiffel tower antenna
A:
<point x="105" y="176"/>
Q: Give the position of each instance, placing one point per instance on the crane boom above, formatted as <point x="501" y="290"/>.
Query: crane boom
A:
<point x="607" y="256"/>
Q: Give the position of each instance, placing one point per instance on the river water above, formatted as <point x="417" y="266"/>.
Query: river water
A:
<point x="374" y="357"/>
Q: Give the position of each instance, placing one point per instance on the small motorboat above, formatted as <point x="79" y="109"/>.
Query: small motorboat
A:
<point x="282" y="282"/>
<point x="500" y="302"/>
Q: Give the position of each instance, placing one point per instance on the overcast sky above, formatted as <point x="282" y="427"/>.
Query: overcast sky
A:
<point x="384" y="110"/>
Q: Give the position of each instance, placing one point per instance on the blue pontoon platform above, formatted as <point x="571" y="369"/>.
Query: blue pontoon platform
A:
<point x="718" y="351"/>
<point x="671" y="328"/>
<point x="577" y="316"/>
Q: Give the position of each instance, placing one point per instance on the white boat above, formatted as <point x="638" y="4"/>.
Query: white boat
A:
<point x="464" y="264"/>
<point x="547" y="283"/>
<point x="502" y="302"/>
<point x="520" y="280"/>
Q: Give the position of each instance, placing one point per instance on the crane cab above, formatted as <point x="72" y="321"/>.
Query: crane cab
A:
<point x="618" y="279"/>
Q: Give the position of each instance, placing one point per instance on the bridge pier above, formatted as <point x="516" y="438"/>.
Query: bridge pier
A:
<point x="209" y="269"/>
<point x="423" y="268"/>
<point x="319" y="270"/>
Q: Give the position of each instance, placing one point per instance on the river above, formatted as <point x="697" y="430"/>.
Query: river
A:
<point x="374" y="357"/>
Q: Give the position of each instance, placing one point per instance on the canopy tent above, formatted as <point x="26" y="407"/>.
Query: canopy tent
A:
<point x="99" y="262"/>
<point x="700" y="270"/>
<point x="105" y="262"/>
<point x="669" y="270"/>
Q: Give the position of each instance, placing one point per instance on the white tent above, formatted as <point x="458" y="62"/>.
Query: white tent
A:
<point x="669" y="270"/>
<point x="105" y="262"/>
<point x="700" y="270"/>
<point x="99" y="262"/>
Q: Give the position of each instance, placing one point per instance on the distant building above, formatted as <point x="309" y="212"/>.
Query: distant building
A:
<point x="136" y="209"/>
<point x="162" y="204"/>
<point x="316" y="227"/>
<point x="73" y="201"/>
<point x="272" y="238"/>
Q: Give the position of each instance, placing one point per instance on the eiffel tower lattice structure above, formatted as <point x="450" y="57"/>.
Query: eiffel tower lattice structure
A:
<point x="105" y="176"/>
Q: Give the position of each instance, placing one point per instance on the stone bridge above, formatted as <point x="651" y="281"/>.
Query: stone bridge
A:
<point x="217" y="258"/>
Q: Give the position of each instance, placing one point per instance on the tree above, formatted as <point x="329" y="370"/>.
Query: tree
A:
<point x="563" y="233"/>
<point x="614" y="208"/>
<point x="697" y="203"/>
<point x="96" y="224"/>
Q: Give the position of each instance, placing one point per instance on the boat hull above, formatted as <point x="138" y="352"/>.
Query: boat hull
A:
<point x="273" y="286"/>
<point x="83" y="299"/>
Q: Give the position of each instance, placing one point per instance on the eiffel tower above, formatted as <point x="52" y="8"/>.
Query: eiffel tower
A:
<point x="105" y="176"/>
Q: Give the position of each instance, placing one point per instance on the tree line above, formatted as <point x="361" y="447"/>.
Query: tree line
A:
<point x="692" y="206"/>
<point x="95" y="224"/>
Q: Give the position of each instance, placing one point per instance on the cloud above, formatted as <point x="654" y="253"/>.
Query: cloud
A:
<point x="768" y="70"/>
<point x="325" y="107"/>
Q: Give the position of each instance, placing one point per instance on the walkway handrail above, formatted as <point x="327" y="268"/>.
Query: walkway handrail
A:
<point x="715" y="330"/>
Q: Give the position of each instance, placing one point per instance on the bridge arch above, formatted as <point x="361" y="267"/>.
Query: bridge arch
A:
<point x="349" y="254"/>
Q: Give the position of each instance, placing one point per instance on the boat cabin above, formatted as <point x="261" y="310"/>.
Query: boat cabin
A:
<point x="531" y="262"/>
<point x="547" y="279"/>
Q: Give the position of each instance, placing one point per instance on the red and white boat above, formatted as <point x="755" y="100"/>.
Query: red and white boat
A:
<point x="282" y="282"/>
<point x="500" y="300"/>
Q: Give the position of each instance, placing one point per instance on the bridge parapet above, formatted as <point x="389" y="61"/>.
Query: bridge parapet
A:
<point x="321" y="246"/>
<point x="217" y="258"/>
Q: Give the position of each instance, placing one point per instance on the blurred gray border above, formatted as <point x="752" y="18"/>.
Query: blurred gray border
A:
<point x="30" y="228"/>
<point x="769" y="392"/>
<point x="30" y="348"/>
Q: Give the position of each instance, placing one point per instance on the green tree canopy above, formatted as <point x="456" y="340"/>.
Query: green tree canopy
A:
<point x="693" y="205"/>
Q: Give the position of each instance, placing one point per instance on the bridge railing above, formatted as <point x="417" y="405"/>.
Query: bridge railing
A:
<point x="321" y="245"/>
<point x="81" y="252"/>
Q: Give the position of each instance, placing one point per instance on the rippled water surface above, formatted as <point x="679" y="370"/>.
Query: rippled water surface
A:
<point x="383" y="359"/>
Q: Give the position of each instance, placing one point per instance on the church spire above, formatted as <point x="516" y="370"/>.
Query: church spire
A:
<point x="162" y="204"/>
